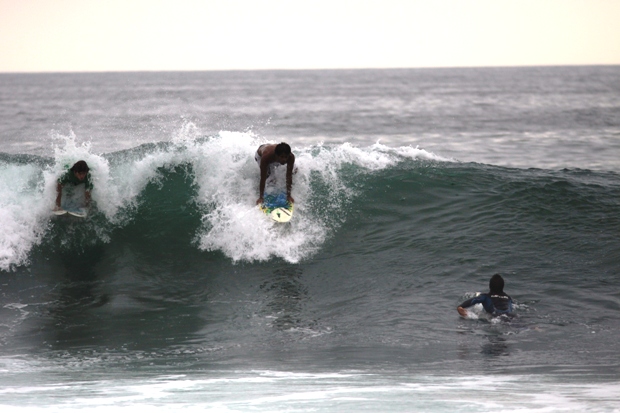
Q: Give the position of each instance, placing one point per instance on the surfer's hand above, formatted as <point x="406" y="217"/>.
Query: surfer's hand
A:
<point x="462" y="311"/>
<point x="260" y="201"/>
<point x="290" y="199"/>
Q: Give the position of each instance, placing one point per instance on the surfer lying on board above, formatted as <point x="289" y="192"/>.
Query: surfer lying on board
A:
<point x="268" y="154"/>
<point x="76" y="175"/>
<point x="496" y="302"/>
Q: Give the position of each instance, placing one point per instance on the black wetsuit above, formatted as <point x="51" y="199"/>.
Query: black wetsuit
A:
<point x="496" y="304"/>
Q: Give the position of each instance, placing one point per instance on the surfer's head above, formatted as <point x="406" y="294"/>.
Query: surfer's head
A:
<point x="496" y="285"/>
<point x="282" y="151"/>
<point x="80" y="169"/>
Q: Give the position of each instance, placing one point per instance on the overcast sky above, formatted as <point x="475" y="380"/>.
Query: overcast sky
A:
<point x="126" y="35"/>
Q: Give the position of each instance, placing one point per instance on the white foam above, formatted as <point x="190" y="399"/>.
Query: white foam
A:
<point x="22" y="213"/>
<point x="226" y="177"/>
<point x="335" y="391"/>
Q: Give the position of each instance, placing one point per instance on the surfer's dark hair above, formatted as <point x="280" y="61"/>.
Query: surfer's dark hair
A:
<point x="283" y="149"/>
<point x="496" y="284"/>
<point x="80" y="166"/>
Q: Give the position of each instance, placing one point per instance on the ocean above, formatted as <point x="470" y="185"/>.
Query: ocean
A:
<point x="414" y="187"/>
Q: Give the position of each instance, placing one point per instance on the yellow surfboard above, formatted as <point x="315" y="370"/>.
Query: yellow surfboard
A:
<point x="279" y="214"/>
<point x="277" y="208"/>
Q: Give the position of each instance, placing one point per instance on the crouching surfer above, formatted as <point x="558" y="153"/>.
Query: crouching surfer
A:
<point x="496" y="302"/>
<point x="266" y="156"/>
<point x="78" y="174"/>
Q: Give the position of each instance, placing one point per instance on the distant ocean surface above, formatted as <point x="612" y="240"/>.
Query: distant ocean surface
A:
<point x="414" y="187"/>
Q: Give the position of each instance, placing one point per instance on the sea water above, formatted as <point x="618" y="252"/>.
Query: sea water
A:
<point x="413" y="188"/>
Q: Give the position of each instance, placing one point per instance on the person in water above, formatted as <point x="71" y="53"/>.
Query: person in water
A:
<point x="76" y="175"/>
<point x="496" y="302"/>
<point x="269" y="154"/>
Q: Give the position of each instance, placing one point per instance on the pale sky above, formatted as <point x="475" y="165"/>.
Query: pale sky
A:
<point x="155" y="35"/>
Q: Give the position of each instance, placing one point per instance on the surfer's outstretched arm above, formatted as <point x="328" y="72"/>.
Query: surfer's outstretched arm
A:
<point x="58" y="196"/>
<point x="290" y="165"/>
<point x="264" y="169"/>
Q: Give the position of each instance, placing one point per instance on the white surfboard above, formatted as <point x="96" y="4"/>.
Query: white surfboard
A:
<point x="78" y="212"/>
<point x="73" y="201"/>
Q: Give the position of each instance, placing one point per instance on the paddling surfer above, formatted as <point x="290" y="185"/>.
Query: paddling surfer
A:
<point x="266" y="156"/>
<point x="496" y="302"/>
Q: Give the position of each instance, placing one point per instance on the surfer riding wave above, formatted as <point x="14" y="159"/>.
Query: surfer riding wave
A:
<point x="269" y="154"/>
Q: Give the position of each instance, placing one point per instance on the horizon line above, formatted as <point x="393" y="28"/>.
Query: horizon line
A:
<point x="307" y="69"/>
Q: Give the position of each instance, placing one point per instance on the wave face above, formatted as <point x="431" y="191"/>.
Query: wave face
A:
<point x="198" y="194"/>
